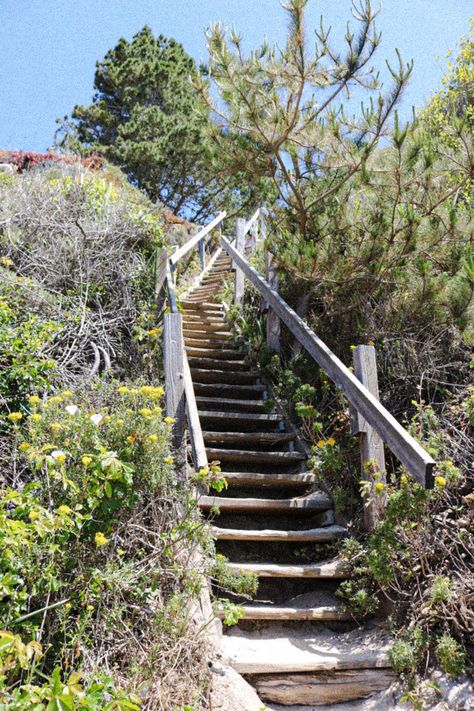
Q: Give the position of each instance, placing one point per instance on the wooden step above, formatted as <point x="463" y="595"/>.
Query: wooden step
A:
<point x="270" y="481"/>
<point x="310" y="535"/>
<point x="202" y="375"/>
<point x="202" y="327"/>
<point x="206" y="306"/>
<point x="209" y="343"/>
<point x="241" y="421"/>
<point x="329" y="569"/>
<point x="322" y="689"/>
<point x="291" y="650"/>
<point x="237" y="391"/>
<point x="249" y="438"/>
<point x="313" y="502"/>
<point x="215" y="353"/>
<point x="209" y="403"/>
<point x="271" y="613"/>
<point x="204" y="332"/>
<point x="248" y="455"/>
<point x="217" y="363"/>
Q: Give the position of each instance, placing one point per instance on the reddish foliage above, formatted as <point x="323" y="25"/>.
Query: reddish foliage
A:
<point x="23" y="160"/>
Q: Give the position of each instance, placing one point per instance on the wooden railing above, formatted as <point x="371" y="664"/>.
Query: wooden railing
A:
<point x="180" y="400"/>
<point x="373" y="423"/>
<point x="370" y="419"/>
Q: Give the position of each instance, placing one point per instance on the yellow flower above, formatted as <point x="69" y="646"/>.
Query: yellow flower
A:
<point x="353" y="348"/>
<point x="158" y="393"/>
<point x="33" y="515"/>
<point x="63" y="510"/>
<point x="331" y="441"/>
<point x="153" y="438"/>
<point x="15" y="416"/>
<point x="449" y="464"/>
<point x="59" y="456"/>
<point x="154" y="332"/>
<point x="34" y="400"/>
<point x="24" y="447"/>
<point x="169" y="420"/>
<point x="131" y="438"/>
<point x="122" y="390"/>
<point x="6" y="262"/>
<point x="133" y="391"/>
<point x="145" y="412"/>
<point x="86" y="460"/>
<point x="56" y="427"/>
<point x="36" y="417"/>
<point x="100" y="539"/>
<point x="147" y="390"/>
<point x="379" y="487"/>
<point x="55" y="400"/>
<point x="67" y="606"/>
<point x="90" y="608"/>
<point x="371" y="343"/>
<point x="120" y="421"/>
<point x="67" y="393"/>
<point x="403" y="479"/>
<point x="168" y="460"/>
<point x="321" y="443"/>
<point x="440" y="481"/>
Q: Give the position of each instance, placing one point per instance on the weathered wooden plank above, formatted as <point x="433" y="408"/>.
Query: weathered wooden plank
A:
<point x="196" y="238"/>
<point x="252" y="439"/>
<point x="194" y="425"/>
<point x="270" y="612"/>
<point x="330" y="569"/>
<point x="403" y="445"/>
<point x="322" y="688"/>
<point x="239" y="276"/>
<point x="372" y="457"/>
<point x="266" y="480"/>
<point x="273" y="322"/>
<point x="250" y="456"/>
<point x="174" y="375"/>
<point x="313" y="502"/>
<point x="170" y="285"/>
<point x="160" y="277"/>
<point x="313" y="535"/>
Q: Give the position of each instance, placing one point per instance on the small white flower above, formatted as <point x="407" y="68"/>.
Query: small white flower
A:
<point x="97" y="418"/>
<point x="72" y="409"/>
<point x="58" y="454"/>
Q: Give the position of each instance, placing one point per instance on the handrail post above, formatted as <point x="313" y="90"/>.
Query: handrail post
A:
<point x="372" y="456"/>
<point x="273" y="322"/>
<point x="239" y="275"/>
<point x="202" y="254"/>
<point x="173" y="348"/>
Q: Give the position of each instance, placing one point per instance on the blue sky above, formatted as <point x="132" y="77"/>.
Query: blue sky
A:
<point x="49" y="47"/>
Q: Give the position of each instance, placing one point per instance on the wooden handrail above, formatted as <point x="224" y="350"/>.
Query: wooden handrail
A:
<point x="403" y="445"/>
<point x="194" y="424"/>
<point x="184" y="249"/>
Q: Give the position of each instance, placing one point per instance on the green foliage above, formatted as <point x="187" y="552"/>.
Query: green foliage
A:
<point x="145" y="118"/>
<point x="232" y="613"/>
<point x="450" y="655"/>
<point x="406" y="653"/>
<point x="241" y="583"/>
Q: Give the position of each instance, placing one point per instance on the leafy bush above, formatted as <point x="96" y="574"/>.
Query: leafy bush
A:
<point x="450" y="655"/>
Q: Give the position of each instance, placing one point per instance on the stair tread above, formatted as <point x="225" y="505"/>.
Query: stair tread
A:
<point x="280" y="457"/>
<point x="313" y="502"/>
<point x="304" y="650"/>
<point x="226" y="377"/>
<point x="327" y="569"/>
<point x="218" y="363"/>
<point x="274" y="612"/>
<point x="248" y="437"/>
<point x="328" y="533"/>
<point x="230" y="388"/>
<point x="269" y="480"/>
<point x="208" y="400"/>
<point x="255" y="417"/>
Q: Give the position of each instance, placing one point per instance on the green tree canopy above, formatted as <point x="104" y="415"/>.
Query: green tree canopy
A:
<point x="145" y="117"/>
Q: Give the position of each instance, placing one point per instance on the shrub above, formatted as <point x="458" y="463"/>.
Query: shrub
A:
<point x="450" y="655"/>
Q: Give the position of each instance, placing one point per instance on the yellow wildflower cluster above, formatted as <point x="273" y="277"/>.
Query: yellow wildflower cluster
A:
<point x="330" y="442"/>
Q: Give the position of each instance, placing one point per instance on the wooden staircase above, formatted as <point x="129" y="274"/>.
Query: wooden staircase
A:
<point x="296" y="644"/>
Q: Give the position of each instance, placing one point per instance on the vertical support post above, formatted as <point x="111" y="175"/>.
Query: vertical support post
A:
<point x="273" y="322"/>
<point x="239" y="275"/>
<point x="202" y="254"/>
<point x="372" y="455"/>
<point x="173" y="349"/>
<point x="160" y="278"/>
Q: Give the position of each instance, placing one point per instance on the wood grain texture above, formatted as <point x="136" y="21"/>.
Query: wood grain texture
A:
<point x="372" y="456"/>
<point x="160" y="277"/>
<point x="402" y="444"/>
<point x="273" y="322"/>
<point x="174" y="375"/>
<point x="312" y="535"/>
<point x="239" y="275"/>
<point x="194" y="425"/>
